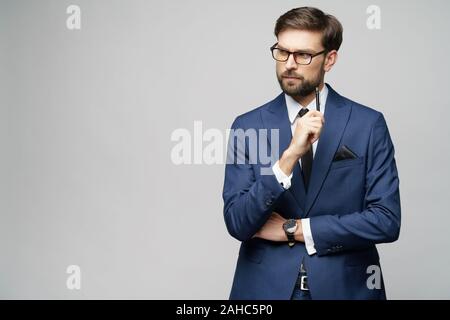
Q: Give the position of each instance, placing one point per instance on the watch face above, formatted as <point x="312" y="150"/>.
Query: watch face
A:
<point x="291" y="230"/>
<point x="290" y="226"/>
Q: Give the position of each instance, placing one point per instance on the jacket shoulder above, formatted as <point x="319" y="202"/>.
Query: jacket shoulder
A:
<point x="363" y="112"/>
<point x="253" y="117"/>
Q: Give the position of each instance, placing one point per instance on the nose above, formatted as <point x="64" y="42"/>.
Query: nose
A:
<point x="290" y="63"/>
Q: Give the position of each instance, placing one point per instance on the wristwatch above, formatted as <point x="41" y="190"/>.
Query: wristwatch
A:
<point x="289" y="228"/>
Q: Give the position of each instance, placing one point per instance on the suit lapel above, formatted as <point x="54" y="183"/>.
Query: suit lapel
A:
<point x="276" y="117"/>
<point x="337" y="112"/>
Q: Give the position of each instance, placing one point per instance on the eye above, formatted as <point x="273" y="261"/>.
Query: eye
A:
<point x="303" y="55"/>
<point x="283" y="52"/>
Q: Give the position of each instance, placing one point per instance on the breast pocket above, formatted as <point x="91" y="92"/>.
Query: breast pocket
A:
<point x="347" y="163"/>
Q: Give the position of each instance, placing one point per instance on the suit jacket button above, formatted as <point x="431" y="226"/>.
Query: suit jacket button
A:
<point x="269" y="202"/>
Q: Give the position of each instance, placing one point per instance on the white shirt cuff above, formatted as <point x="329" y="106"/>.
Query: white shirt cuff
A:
<point x="307" y="235"/>
<point x="282" y="178"/>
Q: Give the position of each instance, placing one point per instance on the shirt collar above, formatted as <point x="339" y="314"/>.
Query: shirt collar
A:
<point x="293" y="107"/>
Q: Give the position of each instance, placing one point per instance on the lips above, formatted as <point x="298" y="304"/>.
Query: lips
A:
<point x="290" y="77"/>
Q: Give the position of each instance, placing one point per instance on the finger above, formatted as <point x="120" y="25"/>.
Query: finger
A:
<point x="316" y="120"/>
<point x="316" y="130"/>
<point x="275" y="213"/>
<point x="316" y="114"/>
<point x="316" y="125"/>
<point x="313" y="128"/>
<point x="319" y="116"/>
<point x="315" y="135"/>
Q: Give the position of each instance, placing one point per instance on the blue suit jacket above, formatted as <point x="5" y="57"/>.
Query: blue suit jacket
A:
<point x="352" y="204"/>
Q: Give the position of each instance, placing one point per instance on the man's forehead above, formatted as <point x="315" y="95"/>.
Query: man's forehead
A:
<point x="295" y="40"/>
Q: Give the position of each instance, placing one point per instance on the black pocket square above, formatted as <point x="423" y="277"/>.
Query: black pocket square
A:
<point x="344" y="153"/>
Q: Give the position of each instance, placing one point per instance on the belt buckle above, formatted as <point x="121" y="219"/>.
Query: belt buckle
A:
<point x="304" y="283"/>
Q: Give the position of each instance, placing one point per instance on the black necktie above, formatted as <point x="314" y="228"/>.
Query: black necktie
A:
<point x="307" y="158"/>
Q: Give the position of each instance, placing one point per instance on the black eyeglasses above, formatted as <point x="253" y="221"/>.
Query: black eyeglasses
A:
<point x="300" y="57"/>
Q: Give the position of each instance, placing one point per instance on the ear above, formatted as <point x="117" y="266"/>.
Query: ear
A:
<point x="330" y="60"/>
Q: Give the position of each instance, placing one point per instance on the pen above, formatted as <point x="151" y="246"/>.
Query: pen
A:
<point x="317" y="99"/>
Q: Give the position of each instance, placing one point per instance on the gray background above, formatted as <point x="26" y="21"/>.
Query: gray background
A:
<point x="87" y="116"/>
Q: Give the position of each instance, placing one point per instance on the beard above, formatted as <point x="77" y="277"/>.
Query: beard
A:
<point x="300" y="87"/>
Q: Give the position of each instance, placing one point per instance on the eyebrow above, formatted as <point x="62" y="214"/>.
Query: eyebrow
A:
<point x="299" y="50"/>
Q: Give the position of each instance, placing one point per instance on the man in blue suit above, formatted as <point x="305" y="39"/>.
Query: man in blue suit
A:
<point x="309" y="220"/>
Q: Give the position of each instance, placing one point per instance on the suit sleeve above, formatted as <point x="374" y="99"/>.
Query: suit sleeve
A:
<point x="248" y="201"/>
<point x="379" y="222"/>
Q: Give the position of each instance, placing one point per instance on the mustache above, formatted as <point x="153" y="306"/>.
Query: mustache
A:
<point x="292" y="75"/>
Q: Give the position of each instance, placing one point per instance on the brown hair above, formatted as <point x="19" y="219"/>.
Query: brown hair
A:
<point x="312" y="19"/>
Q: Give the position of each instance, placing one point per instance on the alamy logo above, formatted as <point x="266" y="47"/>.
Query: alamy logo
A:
<point x="74" y="279"/>
<point x="374" y="280"/>
<point x="249" y="146"/>
<point x="73" y="21"/>
<point x="374" y="20"/>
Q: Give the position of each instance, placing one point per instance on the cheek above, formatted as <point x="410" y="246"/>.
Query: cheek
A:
<point x="311" y="72"/>
<point x="279" y="68"/>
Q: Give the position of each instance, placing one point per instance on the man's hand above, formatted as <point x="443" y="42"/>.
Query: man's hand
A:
<point x="273" y="229"/>
<point x="307" y="131"/>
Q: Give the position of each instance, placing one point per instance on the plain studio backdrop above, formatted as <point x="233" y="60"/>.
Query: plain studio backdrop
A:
<point x="87" y="115"/>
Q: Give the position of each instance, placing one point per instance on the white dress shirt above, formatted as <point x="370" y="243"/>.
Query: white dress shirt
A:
<point x="293" y="108"/>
